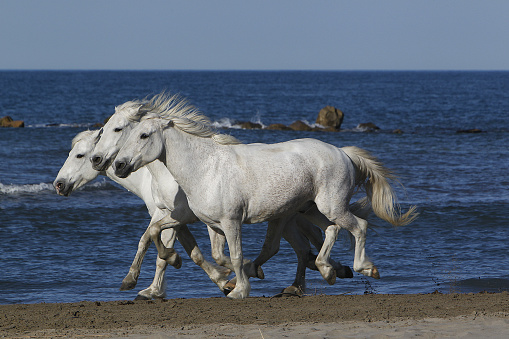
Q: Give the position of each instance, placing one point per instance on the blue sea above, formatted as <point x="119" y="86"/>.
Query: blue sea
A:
<point x="56" y="249"/>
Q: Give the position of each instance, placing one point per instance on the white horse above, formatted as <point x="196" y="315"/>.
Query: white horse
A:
<point x="230" y="184"/>
<point x="298" y="231"/>
<point x="77" y="171"/>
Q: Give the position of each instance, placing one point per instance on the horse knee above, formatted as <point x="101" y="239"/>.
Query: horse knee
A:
<point x="154" y="232"/>
<point x="197" y="257"/>
<point x="220" y="259"/>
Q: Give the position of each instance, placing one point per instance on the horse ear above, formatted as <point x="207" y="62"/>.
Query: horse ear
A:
<point x="98" y="136"/>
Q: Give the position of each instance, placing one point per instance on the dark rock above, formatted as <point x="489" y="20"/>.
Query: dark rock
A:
<point x="472" y="130"/>
<point x="300" y="126"/>
<point x="397" y="131"/>
<point x="8" y="122"/>
<point x="250" y="125"/>
<point x="368" y="127"/>
<point x="279" y="127"/>
<point x="330" y="116"/>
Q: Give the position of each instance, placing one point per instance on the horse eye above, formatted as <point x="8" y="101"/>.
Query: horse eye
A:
<point x="79" y="156"/>
<point x="144" y="136"/>
<point x="118" y="129"/>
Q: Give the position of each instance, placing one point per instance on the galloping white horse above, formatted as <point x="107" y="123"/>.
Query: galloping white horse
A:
<point x="230" y="184"/>
<point x="298" y="231"/>
<point x="77" y="171"/>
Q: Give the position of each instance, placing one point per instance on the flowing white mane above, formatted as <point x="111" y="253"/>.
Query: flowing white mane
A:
<point x="131" y="109"/>
<point x="185" y="116"/>
<point x="82" y="135"/>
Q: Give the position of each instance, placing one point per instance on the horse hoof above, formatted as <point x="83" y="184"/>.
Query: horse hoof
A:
<point x="141" y="297"/>
<point x="128" y="284"/>
<point x="345" y="273"/>
<point x="177" y="262"/>
<point x="329" y="275"/>
<point x="228" y="287"/>
<point x="374" y="273"/>
<point x="332" y="279"/>
<point x="237" y="295"/>
<point x="292" y="291"/>
<point x="259" y="273"/>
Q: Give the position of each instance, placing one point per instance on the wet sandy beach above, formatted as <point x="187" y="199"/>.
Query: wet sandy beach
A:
<point x="317" y="316"/>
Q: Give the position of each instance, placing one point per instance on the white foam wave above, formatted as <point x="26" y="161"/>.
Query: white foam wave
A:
<point x="225" y="123"/>
<point x="58" y="125"/>
<point x="28" y="188"/>
<point x="42" y="187"/>
<point x="235" y="124"/>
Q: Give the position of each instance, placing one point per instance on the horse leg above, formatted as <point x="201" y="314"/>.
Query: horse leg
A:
<point x="358" y="228"/>
<point x="302" y="248"/>
<point x="232" y="231"/>
<point x="217" y="242"/>
<point x="314" y="234"/>
<point x="218" y="274"/>
<point x="157" y="290"/>
<point x="131" y="279"/>
<point x="322" y="262"/>
<point x="165" y="253"/>
<point x="269" y="249"/>
<point x="270" y="246"/>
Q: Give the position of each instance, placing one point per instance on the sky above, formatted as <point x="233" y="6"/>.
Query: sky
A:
<point x="254" y="35"/>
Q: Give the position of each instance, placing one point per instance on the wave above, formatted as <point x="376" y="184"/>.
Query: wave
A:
<point x="27" y="188"/>
<point x="256" y="123"/>
<point x="14" y="189"/>
<point x="56" y="125"/>
<point x="225" y="123"/>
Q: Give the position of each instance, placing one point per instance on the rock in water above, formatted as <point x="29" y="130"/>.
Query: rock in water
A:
<point x="8" y="122"/>
<point x="330" y="116"/>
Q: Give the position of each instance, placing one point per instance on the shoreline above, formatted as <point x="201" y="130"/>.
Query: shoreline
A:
<point x="262" y="316"/>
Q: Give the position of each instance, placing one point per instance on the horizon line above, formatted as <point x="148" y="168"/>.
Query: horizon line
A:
<point x="240" y="70"/>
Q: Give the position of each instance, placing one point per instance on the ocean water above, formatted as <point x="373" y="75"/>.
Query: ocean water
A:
<point x="56" y="249"/>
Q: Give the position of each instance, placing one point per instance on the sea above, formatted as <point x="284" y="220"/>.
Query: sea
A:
<point x="76" y="248"/>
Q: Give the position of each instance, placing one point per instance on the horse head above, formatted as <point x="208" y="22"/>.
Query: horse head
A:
<point x="77" y="169"/>
<point x="114" y="134"/>
<point x="144" y="145"/>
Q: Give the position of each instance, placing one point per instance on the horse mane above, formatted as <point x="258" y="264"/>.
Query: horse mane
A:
<point x="131" y="109"/>
<point x="185" y="117"/>
<point x="81" y="136"/>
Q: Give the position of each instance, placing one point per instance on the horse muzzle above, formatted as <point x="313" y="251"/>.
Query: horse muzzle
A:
<point x="63" y="188"/>
<point x="122" y="168"/>
<point x="99" y="163"/>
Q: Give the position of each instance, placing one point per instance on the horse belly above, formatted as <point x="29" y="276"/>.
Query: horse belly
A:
<point x="276" y="202"/>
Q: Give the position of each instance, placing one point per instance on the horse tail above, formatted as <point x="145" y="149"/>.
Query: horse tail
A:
<point x="375" y="178"/>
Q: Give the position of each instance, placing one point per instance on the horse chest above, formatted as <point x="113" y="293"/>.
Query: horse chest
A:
<point x="164" y="197"/>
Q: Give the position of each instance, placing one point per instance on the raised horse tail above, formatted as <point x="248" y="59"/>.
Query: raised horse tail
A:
<point x="375" y="178"/>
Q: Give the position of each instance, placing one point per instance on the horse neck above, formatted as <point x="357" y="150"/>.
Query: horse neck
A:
<point x="159" y="171"/>
<point x="188" y="157"/>
<point x="136" y="183"/>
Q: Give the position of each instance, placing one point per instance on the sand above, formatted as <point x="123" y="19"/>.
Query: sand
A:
<point x="315" y="316"/>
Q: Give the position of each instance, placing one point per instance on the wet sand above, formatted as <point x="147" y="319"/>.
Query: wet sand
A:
<point x="316" y="316"/>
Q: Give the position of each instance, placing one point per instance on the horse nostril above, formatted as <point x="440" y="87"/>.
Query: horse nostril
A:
<point x="96" y="159"/>
<point x="59" y="185"/>
<point x="119" y="165"/>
